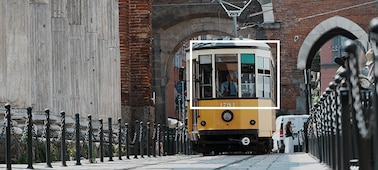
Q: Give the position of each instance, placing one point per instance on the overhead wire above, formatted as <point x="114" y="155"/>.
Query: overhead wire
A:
<point x="337" y="10"/>
<point x="190" y="4"/>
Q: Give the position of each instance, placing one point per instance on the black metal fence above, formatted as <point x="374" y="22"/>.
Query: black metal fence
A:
<point x="342" y="129"/>
<point x="90" y="140"/>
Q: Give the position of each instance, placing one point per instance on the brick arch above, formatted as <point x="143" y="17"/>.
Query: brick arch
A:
<point x="323" y="32"/>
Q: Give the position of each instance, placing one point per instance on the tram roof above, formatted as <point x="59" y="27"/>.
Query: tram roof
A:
<point x="231" y="44"/>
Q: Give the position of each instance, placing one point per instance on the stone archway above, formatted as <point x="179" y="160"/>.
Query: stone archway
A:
<point x="169" y="41"/>
<point x="170" y="31"/>
<point x="324" y="31"/>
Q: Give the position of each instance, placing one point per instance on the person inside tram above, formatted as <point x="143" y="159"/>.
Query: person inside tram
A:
<point x="229" y="87"/>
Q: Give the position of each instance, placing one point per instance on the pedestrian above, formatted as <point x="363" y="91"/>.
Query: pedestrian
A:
<point x="289" y="147"/>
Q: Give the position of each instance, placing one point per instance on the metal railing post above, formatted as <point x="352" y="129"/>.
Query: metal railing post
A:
<point x="141" y="147"/>
<point x="8" y="136"/>
<point x="148" y="139"/>
<point x="345" y="125"/>
<point x="77" y="138"/>
<point x="154" y="140"/>
<point x="110" y="136"/>
<point x="30" y="138"/>
<point x="158" y="139"/>
<point x="358" y="118"/>
<point x="373" y="27"/>
<point x="136" y="125"/>
<point x="48" y="144"/>
<point x="164" y="139"/>
<point x="63" y="138"/>
<point x="127" y="140"/>
<point x="90" y="141"/>
<point x="101" y="140"/>
<point x="119" y="139"/>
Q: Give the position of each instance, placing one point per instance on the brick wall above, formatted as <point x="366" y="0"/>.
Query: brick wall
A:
<point x="298" y="18"/>
<point x="135" y="45"/>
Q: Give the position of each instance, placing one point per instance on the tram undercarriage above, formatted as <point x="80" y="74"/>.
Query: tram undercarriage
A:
<point x="231" y="141"/>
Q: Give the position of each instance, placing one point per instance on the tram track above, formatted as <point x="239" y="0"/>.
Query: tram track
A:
<point x="195" y="162"/>
<point x="235" y="162"/>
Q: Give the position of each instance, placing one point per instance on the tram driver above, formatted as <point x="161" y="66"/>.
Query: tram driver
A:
<point x="229" y="87"/>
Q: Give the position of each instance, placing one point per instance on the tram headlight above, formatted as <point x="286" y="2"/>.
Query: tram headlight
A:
<point x="227" y="115"/>
<point x="252" y="122"/>
<point x="203" y="123"/>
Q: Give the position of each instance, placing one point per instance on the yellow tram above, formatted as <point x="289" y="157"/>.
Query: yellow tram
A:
<point x="230" y="82"/>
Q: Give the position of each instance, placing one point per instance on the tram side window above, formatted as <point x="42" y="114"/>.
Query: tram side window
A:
<point x="226" y="75"/>
<point x="205" y="76"/>
<point x="263" y="77"/>
<point x="248" y="86"/>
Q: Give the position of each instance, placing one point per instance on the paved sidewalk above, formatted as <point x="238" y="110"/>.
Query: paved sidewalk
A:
<point x="275" y="161"/>
<point x="297" y="161"/>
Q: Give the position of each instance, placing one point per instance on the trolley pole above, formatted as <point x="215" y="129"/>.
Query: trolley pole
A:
<point x="234" y="13"/>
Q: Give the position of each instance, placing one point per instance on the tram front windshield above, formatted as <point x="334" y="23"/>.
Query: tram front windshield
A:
<point x="233" y="80"/>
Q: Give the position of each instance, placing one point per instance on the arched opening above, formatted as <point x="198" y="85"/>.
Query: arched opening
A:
<point x="318" y="51"/>
<point x="325" y="31"/>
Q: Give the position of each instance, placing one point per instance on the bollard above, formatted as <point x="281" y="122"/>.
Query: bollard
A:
<point x="135" y="141"/>
<point x="47" y="126"/>
<point x="110" y="136"/>
<point x="90" y="142"/>
<point x="148" y="139"/>
<point x="30" y="138"/>
<point x="63" y="138"/>
<point x="141" y="139"/>
<point x="119" y="139"/>
<point x="8" y="137"/>
<point x="101" y="140"/>
<point x="127" y="140"/>
<point x="77" y="135"/>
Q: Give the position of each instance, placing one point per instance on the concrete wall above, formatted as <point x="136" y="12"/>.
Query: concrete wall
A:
<point x="62" y="55"/>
